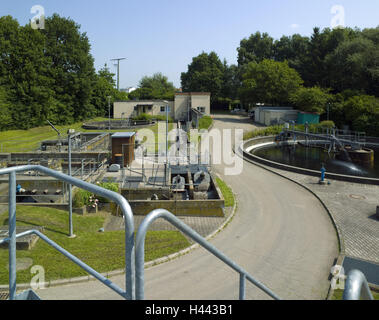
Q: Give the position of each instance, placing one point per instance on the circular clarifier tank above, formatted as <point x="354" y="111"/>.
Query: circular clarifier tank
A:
<point x="362" y="163"/>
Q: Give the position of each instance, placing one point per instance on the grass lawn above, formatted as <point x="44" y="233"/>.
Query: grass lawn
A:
<point x="226" y="192"/>
<point x="205" y="122"/>
<point x="101" y="251"/>
<point x="337" y="295"/>
<point x="30" y="140"/>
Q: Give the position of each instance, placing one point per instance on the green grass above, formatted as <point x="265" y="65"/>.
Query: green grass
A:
<point x="275" y="130"/>
<point x="101" y="251"/>
<point x="30" y="140"/>
<point x="205" y="122"/>
<point x="226" y="192"/>
<point x="337" y="295"/>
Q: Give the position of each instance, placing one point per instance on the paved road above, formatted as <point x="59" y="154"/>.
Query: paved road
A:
<point x="281" y="234"/>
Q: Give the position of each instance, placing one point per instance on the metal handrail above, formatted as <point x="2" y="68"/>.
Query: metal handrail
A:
<point x="356" y="286"/>
<point x="113" y="196"/>
<point x="140" y="253"/>
<point x="74" y="259"/>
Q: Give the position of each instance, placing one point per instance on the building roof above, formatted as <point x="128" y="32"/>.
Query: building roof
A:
<point x="123" y="135"/>
<point x="192" y="93"/>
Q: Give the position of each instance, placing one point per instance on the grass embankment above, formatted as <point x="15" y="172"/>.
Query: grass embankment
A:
<point x="205" y="122"/>
<point x="226" y="192"/>
<point x="275" y="130"/>
<point x="30" y="140"/>
<point x="101" y="251"/>
<point x="337" y="295"/>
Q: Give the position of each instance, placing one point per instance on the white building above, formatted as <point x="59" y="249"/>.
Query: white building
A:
<point x="183" y="108"/>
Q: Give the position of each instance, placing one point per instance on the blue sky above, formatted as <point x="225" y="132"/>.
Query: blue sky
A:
<point x="164" y="35"/>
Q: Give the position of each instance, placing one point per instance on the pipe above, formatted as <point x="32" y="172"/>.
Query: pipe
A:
<point x="356" y="286"/>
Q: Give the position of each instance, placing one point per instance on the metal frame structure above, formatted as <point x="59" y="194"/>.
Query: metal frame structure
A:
<point x="356" y="286"/>
<point x="117" y="198"/>
<point x="140" y="253"/>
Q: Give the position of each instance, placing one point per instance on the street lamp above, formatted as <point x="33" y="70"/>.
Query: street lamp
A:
<point x="109" y="112"/>
<point x="328" y="108"/>
<point x="70" y="132"/>
<point x="167" y="163"/>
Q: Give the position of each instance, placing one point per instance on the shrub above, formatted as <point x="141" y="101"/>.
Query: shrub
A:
<point x="148" y="117"/>
<point x="205" y="122"/>
<point x="81" y="198"/>
<point x="112" y="186"/>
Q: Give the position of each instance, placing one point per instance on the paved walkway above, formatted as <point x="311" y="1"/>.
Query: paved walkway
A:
<point x="353" y="207"/>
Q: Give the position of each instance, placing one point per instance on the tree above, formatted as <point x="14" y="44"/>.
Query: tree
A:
<point x="72" y="69"/>
<point x="256" y="48"/>
<point x="354" y="64"/>
<point x="310" y="99"/>
<point x="269" y="82"/>
<point x="205" y="74"/>
<point x="103" y="88"/>
<point x="155" y="87"/>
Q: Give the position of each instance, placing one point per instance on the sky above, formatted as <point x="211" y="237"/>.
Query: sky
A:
<point x="164" y="35"/>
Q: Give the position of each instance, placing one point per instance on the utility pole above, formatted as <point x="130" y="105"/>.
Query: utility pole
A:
<point x="109" y="112"/>
<point x="118" y="71"/>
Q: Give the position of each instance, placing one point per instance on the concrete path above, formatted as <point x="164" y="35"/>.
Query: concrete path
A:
<point x="281" y="234"/>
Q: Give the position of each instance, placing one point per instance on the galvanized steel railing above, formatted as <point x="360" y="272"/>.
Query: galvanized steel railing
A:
<point x="140" y="248"/>
<point x="113" y="196"/>
<point x="356" y="286"/>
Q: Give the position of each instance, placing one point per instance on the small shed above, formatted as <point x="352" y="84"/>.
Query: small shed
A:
<point x="311" y="118"/>
<point x="123" y="145"/>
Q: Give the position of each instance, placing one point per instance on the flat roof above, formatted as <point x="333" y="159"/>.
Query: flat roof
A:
<point x="123" y="135"/>
<point x="192" y="93"/>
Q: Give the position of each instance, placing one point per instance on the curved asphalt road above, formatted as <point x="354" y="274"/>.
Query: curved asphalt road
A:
<point x="281" y="235"/>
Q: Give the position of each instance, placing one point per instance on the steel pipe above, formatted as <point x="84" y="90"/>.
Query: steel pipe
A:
<point x="356" y="286"/>
<point x="113" y="196"/>
<point x="140" y="248"/>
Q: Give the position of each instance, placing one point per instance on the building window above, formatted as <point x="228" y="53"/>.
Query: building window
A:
<point x="201" y="109"/>
<point x="163" y="109"/>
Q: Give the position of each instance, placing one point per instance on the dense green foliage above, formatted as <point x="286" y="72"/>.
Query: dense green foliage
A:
<point x="145" y="116"/>
<point x="338" y="68"/>
<point x="82" y="197"/>
<point x="49" y="74"/>
<point x="310" y="99"/>
<point x="275" y="130"/>
<point x="269" y="81"/>
<point x="155" y="87"/>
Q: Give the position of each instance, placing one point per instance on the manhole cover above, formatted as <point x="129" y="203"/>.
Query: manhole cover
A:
<point x="357" y="197"/>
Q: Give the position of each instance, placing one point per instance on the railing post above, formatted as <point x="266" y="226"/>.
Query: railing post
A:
<point x="242" y="286"/>
<point x="12" y="235"/>
<point x="71" y="231"/>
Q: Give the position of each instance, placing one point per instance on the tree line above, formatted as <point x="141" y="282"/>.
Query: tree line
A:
<point x="335" y="70"/>
<point x="49" y="74"/>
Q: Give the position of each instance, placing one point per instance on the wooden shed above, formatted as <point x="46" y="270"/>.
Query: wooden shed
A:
<point x="123" y="146"/>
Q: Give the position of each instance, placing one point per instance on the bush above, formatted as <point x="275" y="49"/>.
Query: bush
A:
<point x="81" y="198"/>
<point x="269" y="131"/>
<point x="205" y="122"/>
<point x="112" y="186"/>
<point x="148" y="117"/>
